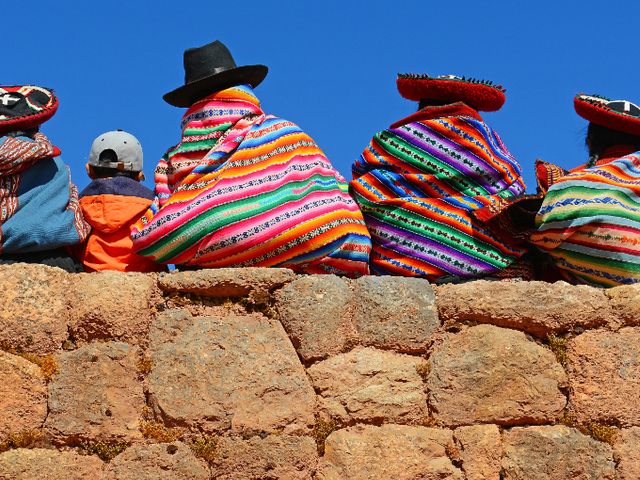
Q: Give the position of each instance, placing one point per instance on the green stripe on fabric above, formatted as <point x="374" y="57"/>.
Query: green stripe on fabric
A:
<point x="453" y="177"/>
<point x="193" y="230"/>
<point x="419" y="219"/>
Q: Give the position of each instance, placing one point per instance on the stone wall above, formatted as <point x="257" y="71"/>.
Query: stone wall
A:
<point x="264" y="374"/>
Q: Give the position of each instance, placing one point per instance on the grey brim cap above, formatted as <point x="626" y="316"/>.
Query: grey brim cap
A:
<point x="117" y="149"/>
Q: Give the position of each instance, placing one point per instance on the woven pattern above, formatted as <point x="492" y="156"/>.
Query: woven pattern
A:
<point x="589" y="224"/>
<point x="39" y="207"/>
<point x="247" y="189"/>
<point x="418" y="185"/>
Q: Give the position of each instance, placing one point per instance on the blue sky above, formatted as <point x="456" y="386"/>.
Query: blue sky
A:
<point x="332" y="65"/>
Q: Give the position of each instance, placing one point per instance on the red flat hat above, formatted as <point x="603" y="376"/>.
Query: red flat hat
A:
<point x="24" y="107"/>
<point x="619" y="115"/>
<point x="481" y="95"/>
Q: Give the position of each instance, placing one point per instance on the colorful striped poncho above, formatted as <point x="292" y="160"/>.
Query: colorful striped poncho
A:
<point x="426" y="186"/>
<point x="247" y="189"/>
<point x="589" y="224"/>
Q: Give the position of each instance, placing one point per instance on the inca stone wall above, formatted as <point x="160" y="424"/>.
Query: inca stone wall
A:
<point x="264" y="374"/>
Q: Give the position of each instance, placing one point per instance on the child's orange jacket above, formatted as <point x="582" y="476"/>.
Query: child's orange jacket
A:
<point x="111" y="206"/>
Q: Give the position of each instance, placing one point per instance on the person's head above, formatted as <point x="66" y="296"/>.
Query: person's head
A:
<point x="115" y="154"/>
<point x="611" y="123"/>
<point x="23" y="108"/>
<point x="600" y="138"/>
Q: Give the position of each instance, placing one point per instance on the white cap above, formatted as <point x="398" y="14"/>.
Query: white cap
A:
<point x="119" y="150"/>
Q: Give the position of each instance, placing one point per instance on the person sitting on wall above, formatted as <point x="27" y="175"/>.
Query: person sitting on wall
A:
<point x="243" y="188"/>
<point x="112" y="203"/>
<point x="589" y="221"/>
<point x="429" y="184"/>
<point x="40" y="217"/>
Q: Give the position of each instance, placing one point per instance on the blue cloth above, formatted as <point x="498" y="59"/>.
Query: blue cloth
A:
<point x="117" y="186"/>
<point x="43" y="219"/>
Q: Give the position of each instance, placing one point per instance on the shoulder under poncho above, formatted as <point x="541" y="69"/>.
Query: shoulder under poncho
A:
<point x="39" y="208"/>
<point x="589" y="224"/>
<point x="247" y="189"/>
<point x="425" y="186"/>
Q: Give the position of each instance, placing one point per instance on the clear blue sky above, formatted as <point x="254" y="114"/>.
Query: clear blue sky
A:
<point x="332" y="65"/>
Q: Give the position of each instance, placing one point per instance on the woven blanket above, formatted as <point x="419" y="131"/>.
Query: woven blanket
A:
<point x="39" y="207"/>
<point x="419" y="184"/>
<point x="589" y="224"/>
<point x="247" y="189"/>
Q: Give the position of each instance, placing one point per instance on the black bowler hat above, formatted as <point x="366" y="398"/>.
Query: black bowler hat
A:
<point x="209" y="69"/>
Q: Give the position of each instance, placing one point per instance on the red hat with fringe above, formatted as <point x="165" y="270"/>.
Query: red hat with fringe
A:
<point x="619" y="115"/>
<point x="24" y="107"/>
<point x="481" y="95"/>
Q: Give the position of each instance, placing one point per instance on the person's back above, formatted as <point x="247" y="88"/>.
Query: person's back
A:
<point x="244" y="188"/>
<point x="429" y="184"/>
<point x="112" y="203"/>
<point x="589" y="222"/>
<point x="40" y="218"/>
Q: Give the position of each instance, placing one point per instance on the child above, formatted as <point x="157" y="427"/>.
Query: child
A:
<point x="39" y="213"/>
<point x="112" y="202"/>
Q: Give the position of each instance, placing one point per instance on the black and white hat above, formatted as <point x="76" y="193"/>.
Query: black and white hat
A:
<point x="119" y="150"/>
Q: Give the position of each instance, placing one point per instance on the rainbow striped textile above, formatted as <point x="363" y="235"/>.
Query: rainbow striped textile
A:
<point x="247" y="189"/>
<point x="589" y="224"/>
<point x="420" y="185"/>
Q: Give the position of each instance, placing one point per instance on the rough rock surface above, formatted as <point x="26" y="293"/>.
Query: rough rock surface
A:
<point x="274" y="457"/>
<point x="626" y="452"/>
<point x="555" y="453"/>
<point x="538" y="308"/>
<point x="160" y="461"/>
<point x="315" y="311"/>
<point x="227" y="282"/>
<point x="34" y="311"/>
<point x="112" y="305"/>
<point x="368" y="385"/>
<point x="625" y="303"/>
<point x="395" y="313"/>
<point x="367" y="452"/>
<point x="43" y="464"/>
<point x="480" y="450"/>
<point x="23" y="395"/>
<point x="487" y="374"/>
<point x="604" y="374"/>
<point x="96" y="395"/>
<point x="228" y="372"/>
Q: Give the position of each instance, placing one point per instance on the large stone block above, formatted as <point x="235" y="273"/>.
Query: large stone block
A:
<point x="392" y="451"/>
<point x="96" y="396"/>
<point x="368" y="385"/>
<point x="227" y="282"/>
<point x="555" y="453"/>
<point x="487" y="374"/>
<point x="395" y="313"/>
<point x="538" y="308"/>
<point x="274" y="457"/>
<point x="626" y="452"/>
<point x="34" y="309"/>
<point x="228" y="372"/>
<point x="42" y="464"/>
<point x="604" y="375"/>
<point x="160" y="461"/>
<point x="315" y="311"/>
<point x="326" y="315"/>
<point x="112" y="306"/>
<point x="480" y="450"/>
<point x="23" y="395"/>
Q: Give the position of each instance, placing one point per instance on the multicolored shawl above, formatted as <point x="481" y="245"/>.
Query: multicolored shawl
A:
<point x="589" y="224"/>
<point x="39" y="207"/>
<point x="421" y="184"/>
<point x="247" y="189"/>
